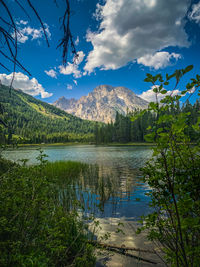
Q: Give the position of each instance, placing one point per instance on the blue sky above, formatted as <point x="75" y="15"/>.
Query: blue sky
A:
<point x="118" y="42"/>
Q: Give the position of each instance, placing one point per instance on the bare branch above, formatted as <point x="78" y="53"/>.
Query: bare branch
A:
<point x="67" y="36"/>
<point x="9" y="33"/>
<point x="42" y="24"/>
<point x="21" y="6"/>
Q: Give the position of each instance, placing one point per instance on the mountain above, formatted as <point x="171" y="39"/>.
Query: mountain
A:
<point x="32" y="121"/>
<point x="102" y="103"/>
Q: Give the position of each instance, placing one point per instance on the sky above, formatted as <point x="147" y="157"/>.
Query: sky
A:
<point x="118" y="42"/>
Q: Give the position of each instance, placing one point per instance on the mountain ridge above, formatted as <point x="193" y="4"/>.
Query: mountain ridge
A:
<point x="34" y="121"/>
<point x="102" y="103"/>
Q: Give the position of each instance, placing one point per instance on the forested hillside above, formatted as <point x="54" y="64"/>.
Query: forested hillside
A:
<point x="126" y="129"/>
<point x="32" y="121"/>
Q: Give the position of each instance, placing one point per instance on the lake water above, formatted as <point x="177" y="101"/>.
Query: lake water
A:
<point x="121" y="164"/>
<point x="120" y="168"/>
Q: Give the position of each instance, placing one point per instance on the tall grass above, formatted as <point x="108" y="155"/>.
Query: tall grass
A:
<point x="44" y="210"/>
<point x="64" y="171"/>
<point x="38" y="225"/>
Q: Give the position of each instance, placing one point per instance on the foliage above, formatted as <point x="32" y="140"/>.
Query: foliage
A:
<point x="174" y="176"/>
<point x="5" y="165"/>
<point x="38" y="228"/>
<point x="32" y="121"/>
<point x="133" y="127"/>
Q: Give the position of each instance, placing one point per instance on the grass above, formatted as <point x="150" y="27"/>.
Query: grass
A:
<point x="39" y="108"/>
<point x="67" y="170"/>
<point x="39" y="222"/>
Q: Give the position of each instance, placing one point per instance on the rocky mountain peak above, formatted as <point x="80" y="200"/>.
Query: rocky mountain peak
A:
<point x="102" y="103"/>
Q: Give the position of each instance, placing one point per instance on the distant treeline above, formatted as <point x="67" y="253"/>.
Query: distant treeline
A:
<point x="32" y="121"/>
<point x="133" y="128"/>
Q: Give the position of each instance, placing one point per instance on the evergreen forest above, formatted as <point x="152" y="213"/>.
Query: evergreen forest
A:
<point x="32" y="121"/>
<point x="135" y="126"/>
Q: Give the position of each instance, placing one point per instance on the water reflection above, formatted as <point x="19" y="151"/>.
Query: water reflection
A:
<point x="114" y="193"/>
<point x="114" y="183"/>
<point x="111" y="188"/>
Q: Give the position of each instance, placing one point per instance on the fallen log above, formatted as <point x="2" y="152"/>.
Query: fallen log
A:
<point x="123" y="250"/>
<point x="122" y="247"/>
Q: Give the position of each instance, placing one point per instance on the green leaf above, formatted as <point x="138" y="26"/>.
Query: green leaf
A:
<point x="155" y="90"/>
<point x="153" y="106"/>
<point x="150" y="137"/>
<point x="189" y="86"/>
<point x="147" y="80"/>
<point x="188" y="68"/>
<point x="184" y="92"/>
<point x="149" y="128"/>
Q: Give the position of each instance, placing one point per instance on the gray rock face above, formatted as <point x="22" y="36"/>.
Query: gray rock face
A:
<point x="102" y="103"/>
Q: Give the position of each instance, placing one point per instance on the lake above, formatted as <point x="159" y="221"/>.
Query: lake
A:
<point x="120" y="168"/>
<point x="120" y="163"/>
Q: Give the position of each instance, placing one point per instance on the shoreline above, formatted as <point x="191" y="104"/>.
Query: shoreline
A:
<point x="77" y="143"/>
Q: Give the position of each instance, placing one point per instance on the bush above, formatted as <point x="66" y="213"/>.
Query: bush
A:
<point x="174" y="177"/>
<point x="36" y="228"/>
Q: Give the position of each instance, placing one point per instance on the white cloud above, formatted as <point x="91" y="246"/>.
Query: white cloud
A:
<point x="75" y="81"/>
<point x="131" y="29"/>
<point x="159" y="60"/>
<point x="22" y="22"/>
<point x="73" y="68"/>
<point x="52" y="73"/>
<point x="22" y="82"/>
<point x="80" y="57"/>
<point x="195" y="13"/>
<point x="24" y="33"/>
<point x="70" y="69"/>
<point x="69" y="87"/>
<point x="77" y="40"/>
<point x="150" y="96"/>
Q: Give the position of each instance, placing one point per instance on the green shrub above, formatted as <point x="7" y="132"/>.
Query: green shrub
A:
<point x="36" y="227"/>
<point x="173" y="174"/>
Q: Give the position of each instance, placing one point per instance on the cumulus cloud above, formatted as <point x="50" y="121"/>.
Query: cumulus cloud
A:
<point x="70" y="69"/>
<point x="52" y="73"/>
<point x="69" y="87"/>
<point x="25" y="32"/>
<point x="22" y="82"/>
<point x="73" y="68"/>
<point x="150" y="96"/>
<point x="133" y="29"/>
<point x="159" y="60"/>
<point x="195" y="13"/>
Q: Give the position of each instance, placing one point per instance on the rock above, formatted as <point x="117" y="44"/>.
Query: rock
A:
<point x="102" y="103"/>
